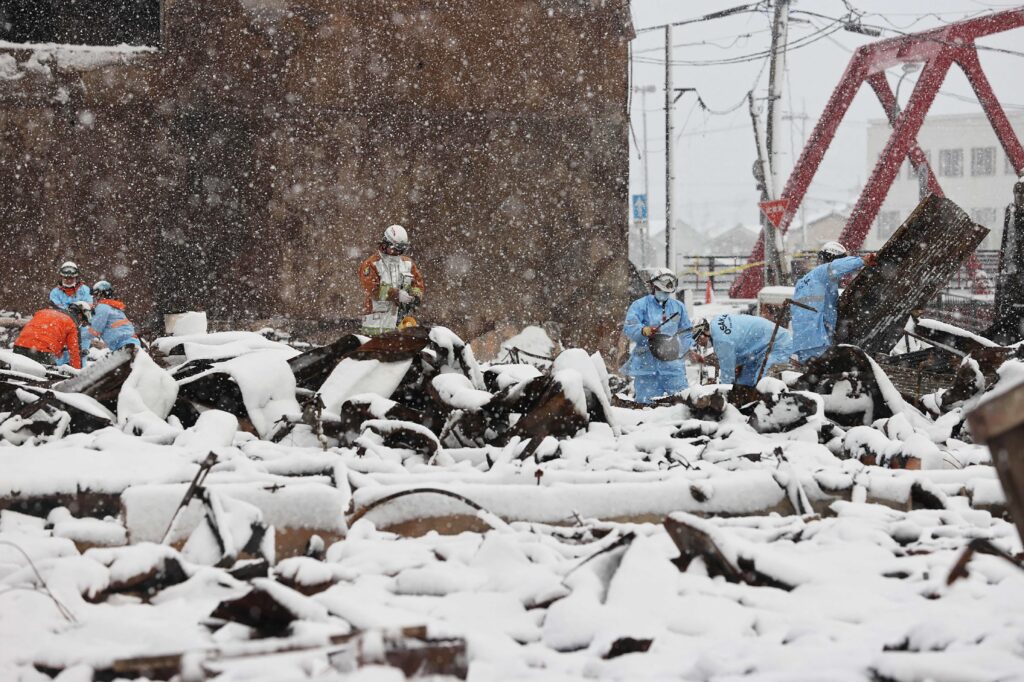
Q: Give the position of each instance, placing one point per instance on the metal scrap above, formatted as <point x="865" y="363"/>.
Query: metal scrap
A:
<point x="412" y="651"/>
<point x="999" y="424"/>
<point x="164" y="572"/>
<point x="214" y="391"/>
<point x="312" y="367"/>
<point x="259" y="609"/>
<point x="40" y="412"/>
<point x="553" y="414"/>
<point x="102" y="379"/>
<point x="694" y="543"/>
<point x="914" y="264"/>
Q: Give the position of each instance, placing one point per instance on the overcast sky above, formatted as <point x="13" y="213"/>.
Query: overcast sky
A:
<point x="714" y="153"/>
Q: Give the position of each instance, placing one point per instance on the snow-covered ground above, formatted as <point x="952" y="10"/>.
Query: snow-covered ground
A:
<point x="558" y="566"/>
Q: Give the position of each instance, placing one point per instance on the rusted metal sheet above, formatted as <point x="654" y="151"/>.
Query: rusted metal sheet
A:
<point x="912" y="267"/>
<point x="394" y="346"/>
<point x="103" y="379"/>
<point x="313" y="367"/>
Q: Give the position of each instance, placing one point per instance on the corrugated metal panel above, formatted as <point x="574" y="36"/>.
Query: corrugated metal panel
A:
<point x="912" y="267"/>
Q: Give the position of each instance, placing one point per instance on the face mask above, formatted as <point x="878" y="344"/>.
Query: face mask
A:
<point x="661" y="296"/>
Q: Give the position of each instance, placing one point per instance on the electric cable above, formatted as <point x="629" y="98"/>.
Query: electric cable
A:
<point x="798" y="43"/>
<point x="918" y="36"/>
<point x="709" y="42"/>
<point x="944" y="93"/>
<point x="739" y="9"/>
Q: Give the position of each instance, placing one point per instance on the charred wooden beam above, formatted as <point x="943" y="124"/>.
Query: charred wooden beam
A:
<point x="313" y="367"/>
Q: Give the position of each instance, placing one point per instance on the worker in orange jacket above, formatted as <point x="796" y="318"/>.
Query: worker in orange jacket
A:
<point x="393" y="283"/>
<point x="51" y="332"/>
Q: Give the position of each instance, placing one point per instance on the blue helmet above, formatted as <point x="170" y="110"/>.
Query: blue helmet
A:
<point x="103" y="289"/>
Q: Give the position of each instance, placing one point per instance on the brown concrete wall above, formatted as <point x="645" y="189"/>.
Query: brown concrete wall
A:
<point x="248" y="166"/>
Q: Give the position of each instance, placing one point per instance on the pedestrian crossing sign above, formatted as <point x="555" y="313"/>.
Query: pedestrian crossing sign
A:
<point x="640" y="207"/>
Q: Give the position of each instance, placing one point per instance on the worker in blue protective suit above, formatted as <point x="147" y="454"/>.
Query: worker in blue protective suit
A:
<point x="653" y="377"/>
<point x="743" y="340"/>
<point x="814" y="331"/>
<point x="109" y="322"/>
<point x="71" y="288"/>
<point x="81" y="313"/>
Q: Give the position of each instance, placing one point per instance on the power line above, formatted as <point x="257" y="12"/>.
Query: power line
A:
<point x="710" y="42"/>
<point x="740" y="9"/>
<point x="850" y="25"/>
<point x="755" y="56"/>
<point x="944" y="93"/>
<point x="922" y="17"/>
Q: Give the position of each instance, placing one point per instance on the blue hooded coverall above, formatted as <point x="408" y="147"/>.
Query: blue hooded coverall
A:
<point x="111" y="324"/>
<point x="743" y="340"/>
<point x="813" y="331"/>
<point x="653" y="377"/>
<point x="60" y="297"/>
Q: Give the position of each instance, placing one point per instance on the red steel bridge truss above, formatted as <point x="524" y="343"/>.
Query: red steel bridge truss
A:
<point x="937" y="50"/>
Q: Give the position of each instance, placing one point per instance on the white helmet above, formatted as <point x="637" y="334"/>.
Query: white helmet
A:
<point x="664" y="279"/>
<point x="830" y="251"/>
<point x="396" y="237"/>
<point x="69" y="269"/>
<point x="82" y="311"/>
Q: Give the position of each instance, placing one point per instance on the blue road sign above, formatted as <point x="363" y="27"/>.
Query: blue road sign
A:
<point x="640" y="207"/>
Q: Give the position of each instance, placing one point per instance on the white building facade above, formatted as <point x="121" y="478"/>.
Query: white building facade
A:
<point x="969" y="163"/>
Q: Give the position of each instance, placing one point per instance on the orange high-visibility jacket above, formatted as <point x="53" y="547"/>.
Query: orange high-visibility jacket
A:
<point x="369" y="276"/>
<point x="52" y="331"/>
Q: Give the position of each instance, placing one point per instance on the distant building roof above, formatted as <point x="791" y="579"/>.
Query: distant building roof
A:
<point x="737" y="241"/>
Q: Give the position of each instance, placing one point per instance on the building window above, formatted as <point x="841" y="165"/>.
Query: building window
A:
<point x="951" y="163"/>
<point x="928" y="160"/>
<point x="81" y="22"/>
<point x="888" y="221"/>
<point x="983" y="161"/>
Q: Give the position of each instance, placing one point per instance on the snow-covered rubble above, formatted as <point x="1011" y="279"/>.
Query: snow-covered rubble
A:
<point x="864" y="596"/>
<point x="510" y="515"/>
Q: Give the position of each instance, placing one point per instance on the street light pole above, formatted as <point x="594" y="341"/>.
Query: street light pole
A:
<point x="922" y="171"/>
<point x="645" y="230"/>
<point x="669" y="170"/>
<point x="780" y="26"/>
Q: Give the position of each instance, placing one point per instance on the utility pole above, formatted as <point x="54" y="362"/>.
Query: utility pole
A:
<point x="645" y="227"/>
<point x="802" y="117"/>
<point x="921" y="171"/>
<point x="780" y="30"/>
<point x="669" y="170"/>
<point x="762" y="174"/>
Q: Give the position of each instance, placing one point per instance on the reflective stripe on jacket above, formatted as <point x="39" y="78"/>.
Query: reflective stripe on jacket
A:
<point x="382" y="277"/>
<point x="111" y="324"/>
